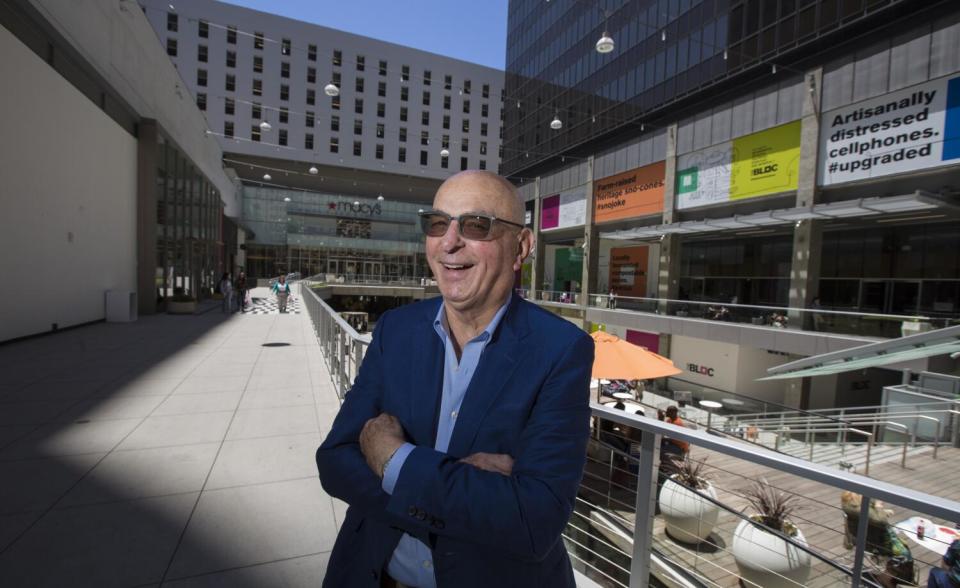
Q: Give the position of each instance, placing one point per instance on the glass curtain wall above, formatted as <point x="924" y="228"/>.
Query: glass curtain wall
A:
<point x="749" y="271"/>
<point x="189" y="244"/>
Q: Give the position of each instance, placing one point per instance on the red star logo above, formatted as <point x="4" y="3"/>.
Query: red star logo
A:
<point x="332" y="206"/>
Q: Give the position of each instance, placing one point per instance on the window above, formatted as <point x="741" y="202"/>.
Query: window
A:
<point x="258" y="41"/>
<point x="255" y="133"/>
<point x="256" y="111"/>
<point x="201" y="101"/>
<point x="312" y="97"/>
<point x="484" y="109"/>
<point x="405" y="73"/>
<point x="285" y="69"/>
<point x="285" y="47"/>
<point x="424" y="137"/>
<point x="358" y="105"/>
<point x="466" y="107"/>
<point x="358" y="148"/>
<point x="445" y="142"/>
<point x="202" y="53"/>
<point x="383" y="67"/>
<point x="228" y="128"/>
<point x="382" y="89"/>
<point x="203" y="29"/>
<point x="466" y="125"/>
<point x="257" y="64"/>
<point x="425" y="117"/>
<point x="308" y="141"/>
<point x="309" y="119"/>
<point x="230" y="83"/>
<point x="334" y="102"/>
<point x="381" y="109"/>
<point x="229" y="106"/>
<point x="403" y="114"/>
<point x="336" y="78"/>
<point x="284" y="92"/>
<point x="282" y="137"/>
<point x="202" y="78"/>
<point x="337" y="58"/>
<point x="423" y="157"/>
<point x="446" y="102"/>
<point x="404" y="94"/>
<point x="465" y="144"/>
<point x="312" y="52"/>
<point x="284" y="115"/>
<point x="466" y="86"/>
<point x="358" y="85"/>
<point x="483" y="164"/>
<point x="172" y="22"/>
<point x="483" y="147"/>
<point x="403" y="134"/>
<point x="463" y="163"/>
<point x="483" y="129"/>
<point x="380" y="130"/>
<point x="426" y="77"/>
<point x="426" y="98"/>
<point x="402" y="155"/>
<point x="357" y="127"/>
<point x="446" y="121"/>
<point x="232" y="35"/>
<point x="486" y="91"/>
<point x="379" y="153"/>
<point x="311" y="75"/>
<point x="172" y="47"/>
<point x="447" y="82"/>
<point x="334" y="145"/>
<point x="231" y="59"/>
<point x="335" y="123"/>
<point x="361" y="62"/>
<point x="257" y="87"/>
<point x="444" y="162"/>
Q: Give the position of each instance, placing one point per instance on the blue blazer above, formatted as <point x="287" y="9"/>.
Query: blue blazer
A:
<point x="529" y="398"/>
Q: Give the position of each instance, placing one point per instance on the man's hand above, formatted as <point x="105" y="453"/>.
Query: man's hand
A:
<point x="379" y="439"/>
<point x="500" y="463"/>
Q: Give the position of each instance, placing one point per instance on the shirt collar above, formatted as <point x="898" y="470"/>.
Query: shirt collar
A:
<point x="440" y="323"/>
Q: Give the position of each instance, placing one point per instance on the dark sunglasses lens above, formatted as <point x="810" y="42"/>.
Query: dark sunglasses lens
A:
<point x="475" y="227"/>
<point x="434" y="225"/>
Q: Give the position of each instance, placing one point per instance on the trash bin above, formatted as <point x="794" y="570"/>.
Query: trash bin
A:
<point x="121" y="306"/>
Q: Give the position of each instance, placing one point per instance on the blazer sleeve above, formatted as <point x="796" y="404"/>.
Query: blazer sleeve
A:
<point x="344" y="472"/>
<point x="524" y="513"/>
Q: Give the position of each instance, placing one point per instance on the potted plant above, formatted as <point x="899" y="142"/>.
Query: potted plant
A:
<point x="763" y="556"/>
<point x="181" y="303"/>
<point x="689" y="517"/>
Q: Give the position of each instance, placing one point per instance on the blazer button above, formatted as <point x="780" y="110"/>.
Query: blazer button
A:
<point x="412" y="511"/>
<point x="421" y="515"/>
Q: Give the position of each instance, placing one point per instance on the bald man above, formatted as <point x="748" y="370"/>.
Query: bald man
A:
<point x="461" y="444"/>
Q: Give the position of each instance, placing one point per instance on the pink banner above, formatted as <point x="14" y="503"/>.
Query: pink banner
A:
<point x="649" y="340"/>
<point x="550" y="212"/>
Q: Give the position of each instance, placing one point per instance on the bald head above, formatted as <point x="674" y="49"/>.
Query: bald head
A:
<point x="504" y="199"/>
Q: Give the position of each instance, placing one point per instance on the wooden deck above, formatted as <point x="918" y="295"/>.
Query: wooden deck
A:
<point x="819" y="516"/>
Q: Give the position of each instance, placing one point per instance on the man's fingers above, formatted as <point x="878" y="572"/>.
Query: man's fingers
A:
<point x="500" y="463"/>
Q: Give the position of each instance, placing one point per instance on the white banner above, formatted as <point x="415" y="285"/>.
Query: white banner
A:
<point x="703" y="177"/>
<point x="573" y="208"/>
<point x="914" y="128"/>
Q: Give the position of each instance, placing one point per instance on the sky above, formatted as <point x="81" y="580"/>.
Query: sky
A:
<point x="471" y="30"/>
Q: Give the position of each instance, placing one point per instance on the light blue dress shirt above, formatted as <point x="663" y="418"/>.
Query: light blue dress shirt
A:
<point x="412" y="562"/>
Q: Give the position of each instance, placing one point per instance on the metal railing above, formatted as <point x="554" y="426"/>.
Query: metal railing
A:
<point x="370" y="280"/>
<point x="342" y="346"/>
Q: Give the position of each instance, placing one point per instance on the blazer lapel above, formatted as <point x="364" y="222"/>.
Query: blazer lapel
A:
<point x="426" y="382"/>
<point x="497" y="364"/>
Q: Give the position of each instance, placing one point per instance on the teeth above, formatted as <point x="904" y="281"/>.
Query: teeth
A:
<point x="451" y="266"/>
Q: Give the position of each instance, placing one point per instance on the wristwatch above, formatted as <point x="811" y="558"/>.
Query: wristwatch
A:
<point x="383" y="470"/>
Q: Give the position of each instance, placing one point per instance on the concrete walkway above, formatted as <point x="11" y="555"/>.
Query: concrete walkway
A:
<point x="173" y="451"/>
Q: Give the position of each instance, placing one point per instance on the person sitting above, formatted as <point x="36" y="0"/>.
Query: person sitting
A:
<point x="674" y="446"/>
<point x="883" y="543"/>
<point x="948" y="574"/>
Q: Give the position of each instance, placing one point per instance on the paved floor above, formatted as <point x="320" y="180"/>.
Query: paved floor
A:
<point x="174" y="451"/>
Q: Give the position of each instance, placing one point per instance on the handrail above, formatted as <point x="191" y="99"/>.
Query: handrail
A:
<point x="343" y="347"/>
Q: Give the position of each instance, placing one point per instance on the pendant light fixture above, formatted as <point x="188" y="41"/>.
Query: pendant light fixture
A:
<point x="331" y="90"/>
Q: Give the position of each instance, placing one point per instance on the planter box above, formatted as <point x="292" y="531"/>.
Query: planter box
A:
<point x="688" y="517"/>
<point x="765" y="559"/>
<point x="181" y="307"/>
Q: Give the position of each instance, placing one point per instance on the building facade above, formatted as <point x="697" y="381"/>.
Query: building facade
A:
<point x="754" y="157"/>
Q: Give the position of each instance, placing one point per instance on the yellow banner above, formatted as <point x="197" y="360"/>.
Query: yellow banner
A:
<point x="766" y="162"/>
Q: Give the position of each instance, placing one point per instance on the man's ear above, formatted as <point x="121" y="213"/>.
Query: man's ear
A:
<point x="525" y="242"/>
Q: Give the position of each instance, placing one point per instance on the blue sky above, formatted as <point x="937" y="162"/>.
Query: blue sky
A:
<point x="471" y="30"/>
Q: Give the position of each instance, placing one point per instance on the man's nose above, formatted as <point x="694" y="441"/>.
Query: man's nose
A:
<point x="452" y="239"/>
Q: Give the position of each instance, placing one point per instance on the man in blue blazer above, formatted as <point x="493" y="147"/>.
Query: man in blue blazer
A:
<point x="461" y="445"/>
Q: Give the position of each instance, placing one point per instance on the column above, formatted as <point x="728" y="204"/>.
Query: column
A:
<point x="668" y="277"/>
<point x="538" y="262"/>
<point x="147" y="154"/>
<point x="591" y="249"/>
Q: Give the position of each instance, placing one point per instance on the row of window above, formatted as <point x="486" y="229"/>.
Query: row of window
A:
<point x="286" y="48"/>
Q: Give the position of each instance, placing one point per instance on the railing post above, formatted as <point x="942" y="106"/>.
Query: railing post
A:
<point x="861" y="541"/>
<point x="936" y="440"/>
<point x="906" y="444"/>
<point x="866" y="466"/>
<point x="645" y="507"/>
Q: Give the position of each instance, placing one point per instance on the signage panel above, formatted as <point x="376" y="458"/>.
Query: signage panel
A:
<point x="628" y="270"/>
<point x="635" y="193"/>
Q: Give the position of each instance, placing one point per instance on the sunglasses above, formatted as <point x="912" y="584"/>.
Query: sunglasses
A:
<point x="476" y="227"/>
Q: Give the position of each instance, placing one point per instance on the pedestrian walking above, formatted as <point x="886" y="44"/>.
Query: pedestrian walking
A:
<point x="241" y="288"/>
<point x="282" y="289"/>
<point x="226" y="290"/>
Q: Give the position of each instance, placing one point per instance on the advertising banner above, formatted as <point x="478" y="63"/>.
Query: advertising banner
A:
<point x="563" y="210"/>
<point x="755" y="165"/>
<point x="568" y="267"/>
<point x="628" y="270"/>
<point x="911" y="129"/>
<point x="550" y="212"/>
<point x="635" y="193"/>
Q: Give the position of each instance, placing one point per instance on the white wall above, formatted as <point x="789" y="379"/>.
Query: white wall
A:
<point x="68" y="184"/>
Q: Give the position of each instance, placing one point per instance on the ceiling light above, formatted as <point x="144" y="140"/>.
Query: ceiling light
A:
<point x="556" y="124"/>
<point x="265" y="126"/>
<point x="286" y="199"/>
<point x="444" y="152"/>
<point x="331" y="89"/>
<point x="267" y="177"/>
<point x="356" y="203"/>
<point x="313" y="170"/>
<point x="380" y="198"/>
<point x="663" y="35"/>
<point x="724" y="54"/>
<point x="773" y="69"/>
<point x="605" y="44"/>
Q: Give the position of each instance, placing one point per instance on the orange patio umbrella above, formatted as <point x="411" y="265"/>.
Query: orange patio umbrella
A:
<point x="616" y="359"/>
